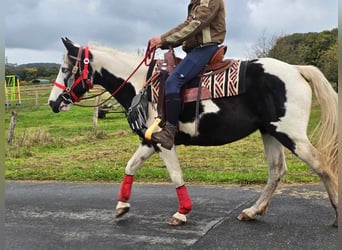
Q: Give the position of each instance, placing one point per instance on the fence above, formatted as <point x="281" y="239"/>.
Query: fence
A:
<point x="37" y="95"/>
<point x="30" y="96"/>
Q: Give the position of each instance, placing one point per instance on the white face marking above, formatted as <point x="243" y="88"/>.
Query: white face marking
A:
<point x="56" y="91"/>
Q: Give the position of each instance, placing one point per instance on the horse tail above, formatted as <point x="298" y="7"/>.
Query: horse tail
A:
<point x="326" y="130"/>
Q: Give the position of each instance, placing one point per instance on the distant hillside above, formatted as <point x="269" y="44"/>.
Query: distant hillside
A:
<point x="34" y="65"/>
<point x="31" y="71"/>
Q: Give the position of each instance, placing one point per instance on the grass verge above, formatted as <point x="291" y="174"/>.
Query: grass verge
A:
<point x="63" y="147"/>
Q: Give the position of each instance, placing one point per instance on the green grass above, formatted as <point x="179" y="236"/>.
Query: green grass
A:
<point x="63" y="147"/>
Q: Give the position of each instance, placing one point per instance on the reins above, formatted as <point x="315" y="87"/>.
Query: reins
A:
<point x="147" y="60"/>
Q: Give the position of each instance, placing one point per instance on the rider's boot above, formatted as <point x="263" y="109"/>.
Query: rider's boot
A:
<point x="167" y="135"/>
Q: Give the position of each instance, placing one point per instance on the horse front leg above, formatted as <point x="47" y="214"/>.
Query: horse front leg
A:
<point x="142" y="154"/>
<point x="171" y="161"/>
<point x="277" y="168"/>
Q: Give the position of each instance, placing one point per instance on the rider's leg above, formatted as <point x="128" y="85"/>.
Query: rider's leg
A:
<point x="187" y="69"/>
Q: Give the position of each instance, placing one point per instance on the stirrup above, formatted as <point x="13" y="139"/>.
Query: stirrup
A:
<point x="152" y="128"/>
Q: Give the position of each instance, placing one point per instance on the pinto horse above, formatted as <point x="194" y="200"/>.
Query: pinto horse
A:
<point x="277" y="102"/>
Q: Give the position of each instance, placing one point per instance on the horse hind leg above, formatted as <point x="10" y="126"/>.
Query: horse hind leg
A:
<point x="310" y="155"/>
<point x="274" y="151"/>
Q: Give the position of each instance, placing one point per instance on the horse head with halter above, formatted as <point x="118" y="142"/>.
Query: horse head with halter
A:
<point x="75" y="76"/>
<point x="73" y="79"/>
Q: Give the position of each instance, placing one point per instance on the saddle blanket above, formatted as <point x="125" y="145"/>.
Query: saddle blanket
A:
<point x="230" y="82"/>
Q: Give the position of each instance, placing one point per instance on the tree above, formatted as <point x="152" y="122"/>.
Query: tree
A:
<point x="314" y="48"/>
<point x="263" y="46"/>
<point x="328" y="64"/>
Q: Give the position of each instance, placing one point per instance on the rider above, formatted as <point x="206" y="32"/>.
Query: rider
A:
<point x="200" y="34"/>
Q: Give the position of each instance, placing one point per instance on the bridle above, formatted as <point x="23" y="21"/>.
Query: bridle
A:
<point x="68" y="93"/>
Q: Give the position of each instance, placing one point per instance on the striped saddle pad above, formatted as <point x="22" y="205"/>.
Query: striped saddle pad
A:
<point x="218" y="83"/>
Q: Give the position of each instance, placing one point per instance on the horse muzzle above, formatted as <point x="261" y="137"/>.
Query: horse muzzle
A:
<point x="54" y="106"/>
<point x="62" y="103"/>
<point x="59" y="106"/>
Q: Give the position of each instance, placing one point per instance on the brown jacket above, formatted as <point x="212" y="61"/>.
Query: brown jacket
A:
<point x="205" y="24"/>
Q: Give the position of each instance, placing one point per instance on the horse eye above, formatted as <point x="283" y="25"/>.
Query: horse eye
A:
<point x="65" y="70"/>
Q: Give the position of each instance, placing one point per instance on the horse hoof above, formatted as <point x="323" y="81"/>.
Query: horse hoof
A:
<point x="335" y="224"/>
<point x="175" y="222"/>
<point x="244" y="217"/>
<point x="121" y="211"/>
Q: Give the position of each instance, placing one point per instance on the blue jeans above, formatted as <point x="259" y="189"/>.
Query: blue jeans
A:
<point x="190" y="67"/>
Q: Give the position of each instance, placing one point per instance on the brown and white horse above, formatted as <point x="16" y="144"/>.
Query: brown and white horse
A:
<point x="277" y="102"/>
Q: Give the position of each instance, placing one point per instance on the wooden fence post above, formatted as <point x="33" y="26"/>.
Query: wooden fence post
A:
<point x="37" y="98"/>
<point x="95" y="117"/>
<point x="11" y="128"/>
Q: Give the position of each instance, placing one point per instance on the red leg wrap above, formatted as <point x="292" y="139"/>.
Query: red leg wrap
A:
<point x="185" y="203"/>
<point x="126" y="188"/>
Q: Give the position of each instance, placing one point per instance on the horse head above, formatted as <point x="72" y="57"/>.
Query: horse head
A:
<point x="73" y="79"/>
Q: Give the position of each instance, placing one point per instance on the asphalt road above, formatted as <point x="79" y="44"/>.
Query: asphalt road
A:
<point x="82" y="216"/>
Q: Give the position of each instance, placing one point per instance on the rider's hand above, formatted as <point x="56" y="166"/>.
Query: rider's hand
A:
<point x="155" y="42"/>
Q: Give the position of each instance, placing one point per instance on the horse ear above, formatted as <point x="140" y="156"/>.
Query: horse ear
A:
<point x="67" y="39"/>
<point x="67" y="43"/>
<point x="70" y="46"/>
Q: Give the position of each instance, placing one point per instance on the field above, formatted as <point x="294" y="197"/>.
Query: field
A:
<point x="64" y="147"/>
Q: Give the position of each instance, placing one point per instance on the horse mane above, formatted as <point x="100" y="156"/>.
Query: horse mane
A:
<point x="119" y="63"/>
<point x="112" y="51"/>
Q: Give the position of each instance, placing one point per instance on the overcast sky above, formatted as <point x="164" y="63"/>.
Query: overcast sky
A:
<point x="33" y="28"/>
